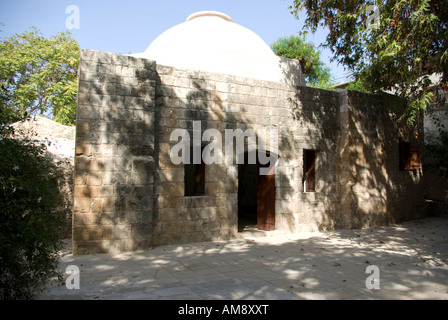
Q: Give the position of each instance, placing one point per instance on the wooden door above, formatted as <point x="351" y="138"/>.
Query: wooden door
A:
<point x="266" y="201"/>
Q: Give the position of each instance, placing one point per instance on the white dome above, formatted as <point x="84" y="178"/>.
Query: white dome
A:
<point x="212" y="42"/>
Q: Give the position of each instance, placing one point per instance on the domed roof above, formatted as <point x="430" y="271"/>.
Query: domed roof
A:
<point x="212" y="42"/>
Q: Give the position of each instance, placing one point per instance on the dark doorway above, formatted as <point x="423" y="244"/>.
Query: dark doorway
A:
<point x="309" y="170"/>
<point x="256" y="198"/>
<point x="194" y="177"/>
<point x="266" y="201"/>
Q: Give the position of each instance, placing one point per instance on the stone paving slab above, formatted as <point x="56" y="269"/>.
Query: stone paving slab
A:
<point x="412" y="259"/>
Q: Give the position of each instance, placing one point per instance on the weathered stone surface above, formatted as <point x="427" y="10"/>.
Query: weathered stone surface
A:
<point x="128" y="107"/>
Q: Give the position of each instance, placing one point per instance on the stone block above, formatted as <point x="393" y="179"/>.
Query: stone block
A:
<point x="169" y="214"/>
<point x="82" y="204"/>
<point x="139" y="203"/>
<point x="92" y="77"/>
<point x="114" y="205"/>
<point x="84" y="87"/>
<point x="124" y="89"/>
<point x="106" y="68"/>
<point x="88" y="112"/>
<point x="132" y="217"/>
<point x="142" y="91"/>
<point x="145" y="76"/>
<point x="173" y="227"/>
<point x="142" y="231"/>
<point x="140" y="103"/>
<point x="142" y="171"/>
<point x="89" y="233"/>
<point x="113" y="138"/>
<point x="87" y="55"/>
<point x="82" y="191"/>
<point x="122" y="231"/>
<point x="103" y="57"/>
<point x="96" y="206"/>
<point x="167" y="202"/>
<point x="80" y="219"/>
<point x="83" y="163"/>
<point x="80" y="178"/>
<point x="91" y="247"/>
<point x="141" y="63"/>
<point x="114" y="178"/>
<point x="113" y="126"/>
<point x="120" y="60"/>
<point x="94" y="179"/>
<point x="139" y="151"/>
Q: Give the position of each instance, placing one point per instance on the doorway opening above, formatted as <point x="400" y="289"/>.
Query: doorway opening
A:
<point x="256" y="197"/>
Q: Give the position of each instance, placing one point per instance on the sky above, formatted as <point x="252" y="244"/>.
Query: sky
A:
<point x="130" y="26"/>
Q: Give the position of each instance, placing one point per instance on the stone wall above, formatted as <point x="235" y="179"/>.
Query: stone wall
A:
<point x="129" y="195"/>
<point x="114" y="161"/>
<point x="305" y="118"/>
<point x="373" y="188"/>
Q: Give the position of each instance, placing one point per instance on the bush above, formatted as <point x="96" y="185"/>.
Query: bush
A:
<point x="31" y="218"/>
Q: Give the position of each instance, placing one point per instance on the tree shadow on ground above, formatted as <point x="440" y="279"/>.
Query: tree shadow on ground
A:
<point x="412" y="259"/>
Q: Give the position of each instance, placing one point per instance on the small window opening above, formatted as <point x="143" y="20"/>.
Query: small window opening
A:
<point x="409" y="156"/>
<point x="309" y="170"/>
<point x="194" y="178"/>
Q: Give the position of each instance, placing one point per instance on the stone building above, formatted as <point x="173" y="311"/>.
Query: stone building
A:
<point x="342" y="161"/>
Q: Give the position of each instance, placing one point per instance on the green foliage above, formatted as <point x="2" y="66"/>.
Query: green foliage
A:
<point x="294" y="47"/>
<point x="32" y="215"/>
<point x="397" y="54"/>
<point x="39" y="75"/>
<point x="8" y="114"/>
<point x="357" y="85"/>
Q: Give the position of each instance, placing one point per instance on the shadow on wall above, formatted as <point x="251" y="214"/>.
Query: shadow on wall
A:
<point x="292" y="71"/>
<point x="180" y="101"/>
<point x="359" y="183"/>
<point x="316" y="127"/>
<point x="129" y="195"/>
<point x="115" y="154"/>
<point x="216" y="101"/>
<point x="381" y="192"/>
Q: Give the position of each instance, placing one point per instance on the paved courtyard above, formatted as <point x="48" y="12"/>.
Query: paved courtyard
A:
<point x="411" y="260"/>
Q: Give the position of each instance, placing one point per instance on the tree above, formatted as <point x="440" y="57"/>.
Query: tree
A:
<point x="294" y="47"/>
<point x="395" y="48"/>
<point x="356" y="85"/>
<point x="39" y="75"/>
<point x="33" y="214"/>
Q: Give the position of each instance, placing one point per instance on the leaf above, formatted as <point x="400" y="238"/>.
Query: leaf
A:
<point x="409" y="42"/>
<point x="34" y="69"/>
